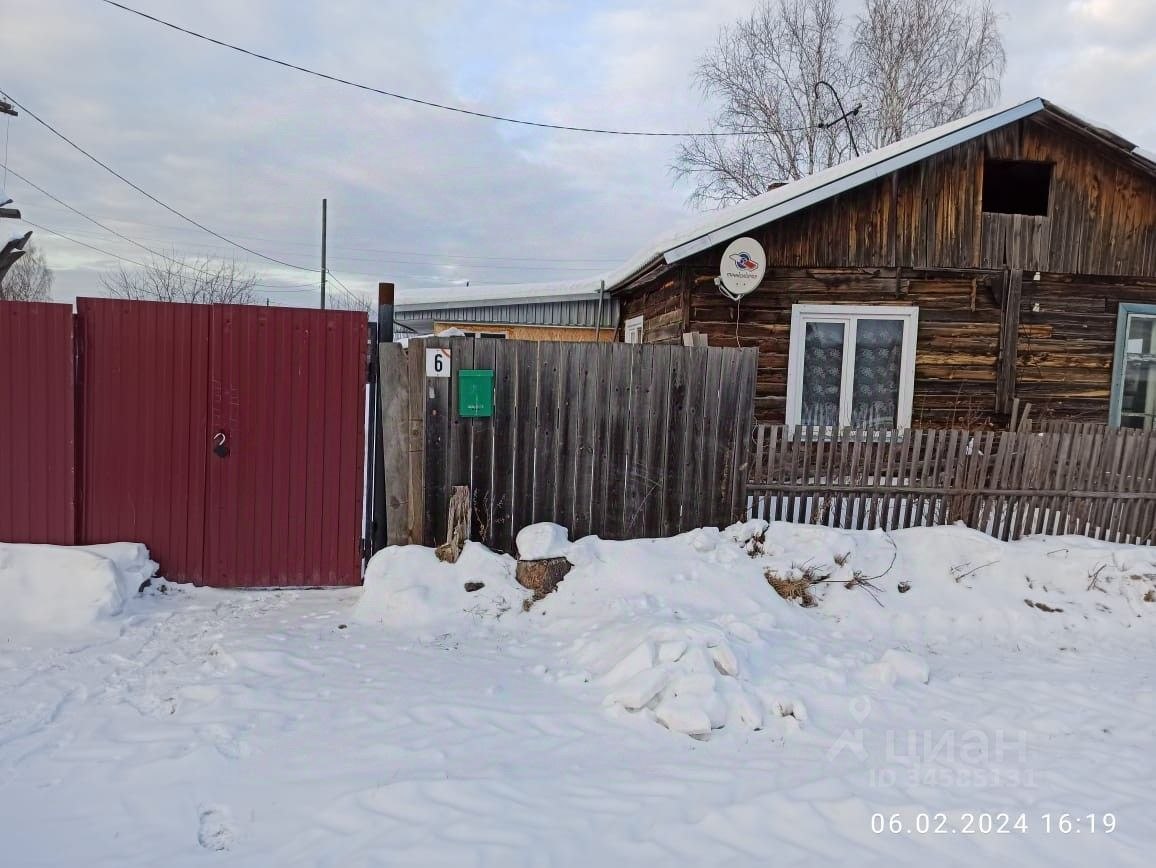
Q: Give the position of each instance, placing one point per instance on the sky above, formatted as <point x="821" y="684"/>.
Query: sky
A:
<point x="419" y="197"/>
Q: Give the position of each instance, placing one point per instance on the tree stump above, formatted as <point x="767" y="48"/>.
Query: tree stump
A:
<point x="457" y="526"/>
<point x="542" y="576"/>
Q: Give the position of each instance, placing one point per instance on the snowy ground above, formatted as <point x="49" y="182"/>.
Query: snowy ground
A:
<point x="427" y="725"/>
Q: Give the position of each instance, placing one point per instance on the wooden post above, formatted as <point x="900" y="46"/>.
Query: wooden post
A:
<point x="457" y="525"/>
<point x="1009" y="327"/>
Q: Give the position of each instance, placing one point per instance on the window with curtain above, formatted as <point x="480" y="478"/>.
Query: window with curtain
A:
<point x="851" y="366"/>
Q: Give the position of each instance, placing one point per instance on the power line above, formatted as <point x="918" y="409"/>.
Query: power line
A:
<point x="466" y="260"/>
<point x="121" y="235"/>
<point x="119" y="258"/>
<point x="146" y="193"/>
<point x="436" y="105"/>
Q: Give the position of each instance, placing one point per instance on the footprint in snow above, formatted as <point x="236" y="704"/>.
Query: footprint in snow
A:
<point x="215" y="828"/>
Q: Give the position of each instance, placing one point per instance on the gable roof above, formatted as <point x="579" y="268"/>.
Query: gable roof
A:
<point x="765" y="208"/>
<point x="736" y="220"/>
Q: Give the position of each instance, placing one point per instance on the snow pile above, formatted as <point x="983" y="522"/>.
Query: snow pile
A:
<point x="408" y="588"/>
<point x="63" y="589"/>
<point x="688" y="678"/>
<point x="696" y="633"/>
<point x="542" y="540"/>
<point x="935" y="584"/>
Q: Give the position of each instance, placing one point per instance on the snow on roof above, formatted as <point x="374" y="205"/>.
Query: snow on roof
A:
<point x="759" y="210"/>
<point x="728" y="223"/>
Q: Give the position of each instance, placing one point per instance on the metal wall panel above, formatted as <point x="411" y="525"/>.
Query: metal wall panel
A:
<point x="555" y="313"/>
<point x="288" y="394"/>
<point x="144" y="404"/>
<point x="37" y="423"/>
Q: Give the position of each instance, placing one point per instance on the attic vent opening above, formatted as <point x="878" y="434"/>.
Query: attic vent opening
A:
<point x="1016" y="187"/>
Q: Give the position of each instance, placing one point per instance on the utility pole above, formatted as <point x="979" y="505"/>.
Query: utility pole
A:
<point x="324" y="218"/>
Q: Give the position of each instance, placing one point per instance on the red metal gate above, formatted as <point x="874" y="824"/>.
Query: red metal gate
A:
<point x="227" y="438"/>
<point x="37" y="427"/>
<point x="288" y="417"/>
<point x="144" y="409"/>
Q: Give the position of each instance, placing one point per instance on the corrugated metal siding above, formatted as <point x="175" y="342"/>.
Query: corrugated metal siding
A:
<point x="37" y="428"/>
<point x="144" y="399"/>
<point x="288" y="390"/>
<point x="554" y="313"/>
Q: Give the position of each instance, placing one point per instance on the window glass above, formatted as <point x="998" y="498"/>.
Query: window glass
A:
<point x="1138" y="389"/>
<point x="878" y="366"/>
<point x="822" y="373"/>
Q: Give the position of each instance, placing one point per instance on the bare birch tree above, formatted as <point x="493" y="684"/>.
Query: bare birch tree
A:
<point x="29" y="278"/>
<point x="908" y="65"/>
<point x="197" y="280"/>
<point x="762" y="71"/>
<point x="922" y="63"/>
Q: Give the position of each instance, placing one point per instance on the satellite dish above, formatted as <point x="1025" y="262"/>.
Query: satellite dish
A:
<point x="742" y="268"/>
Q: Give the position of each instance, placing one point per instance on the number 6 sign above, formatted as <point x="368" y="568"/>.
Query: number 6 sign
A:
<point x="437" y="362"/>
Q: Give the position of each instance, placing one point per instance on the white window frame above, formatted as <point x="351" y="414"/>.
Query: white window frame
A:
<point x="632" y="330"/>
<point x="849" y="315"/>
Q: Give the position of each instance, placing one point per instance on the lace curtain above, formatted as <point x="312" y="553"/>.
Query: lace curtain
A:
<point x="875" y="387"/>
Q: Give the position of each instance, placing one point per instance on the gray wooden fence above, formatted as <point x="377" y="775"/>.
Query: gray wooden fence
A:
<point x="1085" y="479"/>
<point x="617" y="440"/>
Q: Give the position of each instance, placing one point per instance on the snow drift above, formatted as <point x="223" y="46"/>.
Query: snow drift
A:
<point x="689" y="633"/>
<point x="60" y="589"/>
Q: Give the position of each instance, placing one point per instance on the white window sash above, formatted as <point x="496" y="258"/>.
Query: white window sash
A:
<point x="849" y="315"/>
<point x="633" y="328"/>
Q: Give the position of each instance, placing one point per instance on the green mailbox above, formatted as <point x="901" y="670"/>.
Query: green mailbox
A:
<point x="475" y="394"/>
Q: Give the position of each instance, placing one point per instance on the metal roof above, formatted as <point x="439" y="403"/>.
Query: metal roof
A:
<point x="760" y="210"/>
<point x="580" y="311"/>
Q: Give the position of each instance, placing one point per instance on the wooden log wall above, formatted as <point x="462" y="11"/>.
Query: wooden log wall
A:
<point x="1067" y="342"/>
<point x="920" y="236"/>
<point x="663" y="307"/>
<point x="957" y="345"/>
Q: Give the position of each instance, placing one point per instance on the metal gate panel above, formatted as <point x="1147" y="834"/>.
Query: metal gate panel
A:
<point x="37" y="423"/>
<point x="144" y="403"/>
<point x="288" y="412"/>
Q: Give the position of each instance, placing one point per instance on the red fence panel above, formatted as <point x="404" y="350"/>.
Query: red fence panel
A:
<point x="37" y="423"/>
<point x="288" y="396"/>
<point x="144" y="403"/>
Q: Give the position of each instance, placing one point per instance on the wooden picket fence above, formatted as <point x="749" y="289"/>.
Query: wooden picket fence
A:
<point x="1082" y="479"/>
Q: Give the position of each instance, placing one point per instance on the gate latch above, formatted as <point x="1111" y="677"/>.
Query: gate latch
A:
<point x="220" y="449"/>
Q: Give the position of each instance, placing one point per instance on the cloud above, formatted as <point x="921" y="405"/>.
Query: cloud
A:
<point x="416" y="196"/>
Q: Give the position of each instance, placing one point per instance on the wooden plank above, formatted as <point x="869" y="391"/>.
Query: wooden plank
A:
<point x="567" y="397"/>
<point x="744" y="419"/>
<point x="590" y="418"/>
<point x="393" y="384"/>
<point x="415" y="372"/>
<point x="483" y="445"/>
<point x="523" y="436"/>
<point x="636" y="483"/>
<point x="723" y="492"/>
<point x="1005" y="388"/>
<point x="612" y="489"/>
<point x="502" y="494"/>
<point x="546" y="398"/>
<point x="707" y="476"/>
<point x="658" y="436"/>
<point x="437" y="425"/>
